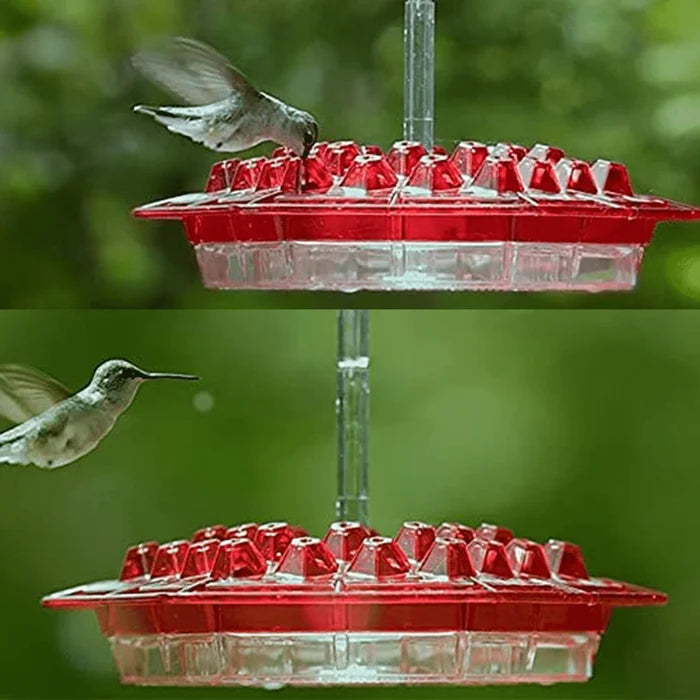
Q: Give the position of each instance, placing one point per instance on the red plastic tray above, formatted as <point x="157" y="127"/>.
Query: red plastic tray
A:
<point x="347" y="192"/>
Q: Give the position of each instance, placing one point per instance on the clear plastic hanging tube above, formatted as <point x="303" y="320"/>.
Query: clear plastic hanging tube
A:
<point x="419" y="40"/>
<point x="352" y="408"/>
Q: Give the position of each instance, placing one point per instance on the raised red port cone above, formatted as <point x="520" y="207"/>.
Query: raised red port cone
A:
<point x="501" y="217"/>
<point x="431" y="606"/>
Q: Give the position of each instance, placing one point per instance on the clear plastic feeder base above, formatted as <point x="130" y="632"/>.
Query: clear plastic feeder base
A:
<point x="270" y="661"/>
<point x="418" y="266"/>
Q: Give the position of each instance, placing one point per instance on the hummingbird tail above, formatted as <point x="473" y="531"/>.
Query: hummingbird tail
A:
<point x="180" y="120"/>
<point x="144" y="109"/>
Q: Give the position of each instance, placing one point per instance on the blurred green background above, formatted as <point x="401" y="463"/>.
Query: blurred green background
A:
<point x="618" y="79"/>
<point x="578" y="425"/>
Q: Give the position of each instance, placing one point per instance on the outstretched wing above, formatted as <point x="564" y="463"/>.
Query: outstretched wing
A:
<point x="26" y="392"/>
<point x="193" y="72"/>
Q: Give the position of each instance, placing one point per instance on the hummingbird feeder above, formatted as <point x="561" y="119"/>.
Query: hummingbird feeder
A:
<point x="500" y="218"/>
<point x="262" y="606"/>
<point x="270" y="606"/>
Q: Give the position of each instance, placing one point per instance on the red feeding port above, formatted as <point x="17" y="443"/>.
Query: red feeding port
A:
<point x="415" y="539"/>
<point x="170" y="559"/>
<point x="456" y="530"/>
<point x="238" y="558"/>
<point x="247" y="531"/>
<point x="272" y="540"/>
<point x="468" y="158"/>
<point x="344" y="539"/>
<point x="380" y="558"/>
<point x="214" y="532"/>
<point x="200" y="558"/>
<point x="502" y="217"/>
<point x="369" y="173"/>
<point x="448" y="557"/>
<point x="432" y="605"/>
<point x="139" y="561"/>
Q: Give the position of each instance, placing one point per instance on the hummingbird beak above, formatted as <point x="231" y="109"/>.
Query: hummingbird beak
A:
<point x="159" y="375"/>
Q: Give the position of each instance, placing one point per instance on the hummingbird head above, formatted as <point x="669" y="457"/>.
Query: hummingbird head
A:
<point x="121" y="378"/>
<point x="304" y="134"/>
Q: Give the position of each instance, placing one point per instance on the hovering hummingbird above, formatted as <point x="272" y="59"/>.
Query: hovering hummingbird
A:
<point x="228" y="114"/>
<point x="57" y="427"/>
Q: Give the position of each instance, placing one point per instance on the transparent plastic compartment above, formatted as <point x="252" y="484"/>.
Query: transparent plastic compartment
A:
<point x="401" y="266"/>
<point x="268" y="605"/>
<point x="350" y="218"/>
<point x="468" y="658"/>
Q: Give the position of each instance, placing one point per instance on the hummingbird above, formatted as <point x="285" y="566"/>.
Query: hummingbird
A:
<point x="57" y="427"/>
<point x="226" y="113"/>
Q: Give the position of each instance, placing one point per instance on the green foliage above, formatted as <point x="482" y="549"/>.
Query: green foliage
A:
<point x="599" y="78"/>
<point x="580" y="426"/>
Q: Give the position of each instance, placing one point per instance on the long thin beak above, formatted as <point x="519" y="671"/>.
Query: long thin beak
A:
<point x="307" y="150"/>
<point x="159" y="375"/>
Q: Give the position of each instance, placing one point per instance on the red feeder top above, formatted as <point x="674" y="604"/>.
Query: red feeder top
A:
<point x="255" y="578"/>
<point x="347" y="192"/>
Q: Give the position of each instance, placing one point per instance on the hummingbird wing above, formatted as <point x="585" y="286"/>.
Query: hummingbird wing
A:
<point x="193" y="72"/>
<point x="26" y="392"/>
